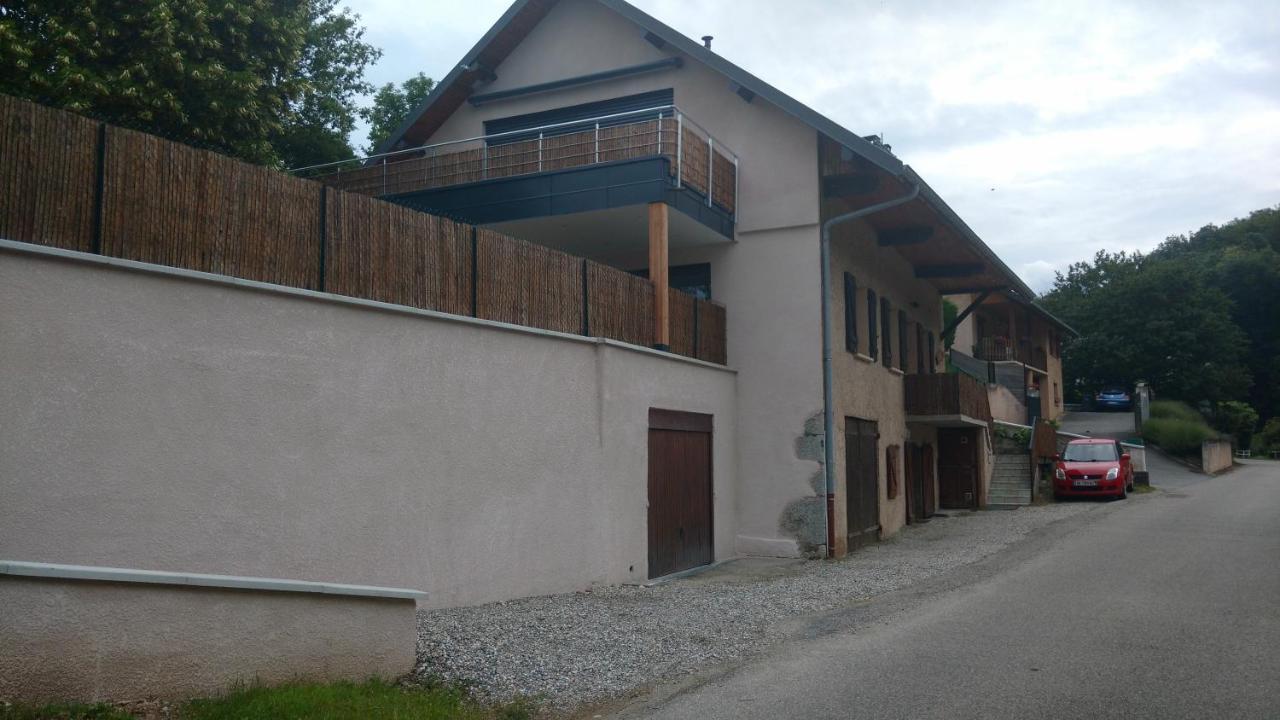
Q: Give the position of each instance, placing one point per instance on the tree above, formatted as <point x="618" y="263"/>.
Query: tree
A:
<point x="391" y="105"/>
<point x="1155" y="319"/>
<point x="268" y="81"/>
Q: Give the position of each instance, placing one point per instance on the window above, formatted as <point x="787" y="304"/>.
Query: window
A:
<point x="850" y="313"/>
<point x="886" y="329"/>
<point x="873" y="326"/>
<point x="1057" y="396"/>
<point x="904" y="357"/>
<point x="933" y="362"/>
<point x="565" y="118"/>
<point x="693" y="279"/>
<point x="1090" y="452"/>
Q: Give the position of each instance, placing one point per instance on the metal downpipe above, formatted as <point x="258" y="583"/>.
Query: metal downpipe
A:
<point x="828" y="403"/>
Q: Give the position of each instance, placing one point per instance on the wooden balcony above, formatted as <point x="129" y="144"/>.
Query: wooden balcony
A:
<point x="696" y="162"/>
<point x="996" y="349"/>
<point x="946" y="400"/>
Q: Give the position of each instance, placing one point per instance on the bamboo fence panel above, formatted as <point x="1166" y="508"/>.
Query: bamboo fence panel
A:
<point x="389" y="253"/>
<point x="512" y="158"/>
<point x="171" y="204"/>
<point x="620" y="305"/>
<point x="711" y="332"/>
<point x="569" y="150"/>
<point x="724" y="185"/>
<point x="694" y="155"/>
<point x="680" y="309"/>
<point x="527" y="284"/>
<point x="48" y="175"/>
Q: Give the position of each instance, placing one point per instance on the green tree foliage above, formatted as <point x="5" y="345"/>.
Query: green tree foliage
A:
<point x="1236" y="419"/>
<point x="270" y="81"/>
<point x="1197" y="317"/>
<point x="391" y="105"/>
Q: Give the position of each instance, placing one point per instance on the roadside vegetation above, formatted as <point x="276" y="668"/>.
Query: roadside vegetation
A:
<point x="1176" y="427"/>
<point x="374" y="699"/>
<point x="1195" y="318"/>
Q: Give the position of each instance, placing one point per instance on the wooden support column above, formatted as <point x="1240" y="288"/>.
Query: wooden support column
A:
<point x="658" y="275"/>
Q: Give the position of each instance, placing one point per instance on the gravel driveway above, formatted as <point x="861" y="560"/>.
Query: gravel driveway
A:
<point x="594" y="645"/>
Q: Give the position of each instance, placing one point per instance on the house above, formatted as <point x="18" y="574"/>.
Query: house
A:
<point x="605" y="308"/>
<point x="1015" y="345"/>
<point x="592" y="127"/>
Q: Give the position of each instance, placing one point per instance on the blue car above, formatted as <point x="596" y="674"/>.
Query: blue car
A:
<point x="1112" y="398"/>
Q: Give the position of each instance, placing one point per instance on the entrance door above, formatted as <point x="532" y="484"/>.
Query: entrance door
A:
<point x="957" y="468"/>
<point x="915" y="482"/>
<point x="862" y="481"/>
<point x="680" y="494"/>
<point x="930" y="499"/>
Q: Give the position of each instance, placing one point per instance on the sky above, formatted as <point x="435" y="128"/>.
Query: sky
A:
<point x="1054" y="129"/>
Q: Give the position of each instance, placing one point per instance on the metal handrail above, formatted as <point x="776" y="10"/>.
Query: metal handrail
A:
<point x="372" y="159"/>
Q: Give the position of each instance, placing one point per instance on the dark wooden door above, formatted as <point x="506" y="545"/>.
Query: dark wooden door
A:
<point x="957" y="468"/>
<point x="862" y="481"/>
<point x="680" y="493"/>
<point x="930" y="485"/>
<point x="915" y="481"/>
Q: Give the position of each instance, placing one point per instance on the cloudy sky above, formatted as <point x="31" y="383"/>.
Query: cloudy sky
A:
<point x="1054" y="128"/>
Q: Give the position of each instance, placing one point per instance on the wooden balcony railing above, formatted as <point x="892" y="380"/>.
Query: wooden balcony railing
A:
<point x="696" y="160"/>
<point x="995" y="349"/>
<point x="948" y="394"/>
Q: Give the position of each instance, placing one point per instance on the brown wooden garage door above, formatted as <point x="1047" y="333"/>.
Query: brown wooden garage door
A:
<point x="680" y="511"/>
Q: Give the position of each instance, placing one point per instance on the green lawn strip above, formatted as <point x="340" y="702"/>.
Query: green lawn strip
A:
<point x="373" y="699"/>
<point x="62" y="711"/>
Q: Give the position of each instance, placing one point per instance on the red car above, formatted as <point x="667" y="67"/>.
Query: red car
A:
<point x="1092" y="467"/>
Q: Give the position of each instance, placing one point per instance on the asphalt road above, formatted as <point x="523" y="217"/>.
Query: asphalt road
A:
<point x="1166" y="606"/>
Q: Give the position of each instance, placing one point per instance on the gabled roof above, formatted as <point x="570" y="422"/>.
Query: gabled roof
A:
<point x="523" y="15"/>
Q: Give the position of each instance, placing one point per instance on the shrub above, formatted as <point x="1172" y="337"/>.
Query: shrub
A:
<point x="1175" y="435"/>
<point x="1238" y="420"/>
<point x="1175" y="410"/>
<point x="1269" y="438"/>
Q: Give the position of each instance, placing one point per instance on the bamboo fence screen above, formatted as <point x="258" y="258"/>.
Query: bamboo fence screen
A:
<point x="74" y="183"/>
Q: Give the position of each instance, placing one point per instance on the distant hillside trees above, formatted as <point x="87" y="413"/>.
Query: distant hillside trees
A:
<point x="1198" y="317"/>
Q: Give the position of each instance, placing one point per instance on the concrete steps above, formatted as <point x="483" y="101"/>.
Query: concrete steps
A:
<point x="1010" y="481"/>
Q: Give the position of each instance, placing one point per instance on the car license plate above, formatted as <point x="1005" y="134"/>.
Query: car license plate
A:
<point x="1085" y="483"/>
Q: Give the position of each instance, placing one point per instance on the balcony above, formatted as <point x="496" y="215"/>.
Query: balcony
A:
<point x="995" y="349"/>
<point x="653" y="155"/>
<point x="946" y="400"/>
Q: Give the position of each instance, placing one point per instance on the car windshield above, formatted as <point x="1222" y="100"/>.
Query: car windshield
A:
<point x="1090" y="452"/>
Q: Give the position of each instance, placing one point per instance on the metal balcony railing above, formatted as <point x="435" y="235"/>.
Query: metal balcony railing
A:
<point x="697" y="160"/>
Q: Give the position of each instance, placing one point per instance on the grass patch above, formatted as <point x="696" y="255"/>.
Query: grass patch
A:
<point x="350" y="701"/>
<point x="1142" y="489"/>
<point x="1180" y="437"/>
<point x="1175" y="410"/>
<point x="1177" y="428"/>
<point x="62" y="711"/>
<point x="373" y="699"/>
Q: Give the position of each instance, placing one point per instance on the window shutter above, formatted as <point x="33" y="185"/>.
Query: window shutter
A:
<point x="904" y="358"/>
<point x="886" y="329"/>
<point x="873" y="325"/>
<point x="850" y="313"/>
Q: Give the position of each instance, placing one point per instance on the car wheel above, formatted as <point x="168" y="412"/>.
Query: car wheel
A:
<point x="1124" y="492"/>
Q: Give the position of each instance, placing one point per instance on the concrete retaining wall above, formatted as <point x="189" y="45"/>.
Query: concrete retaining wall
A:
<point x="1215" y="456"/>
<point x="162" y="420"/>
<point x="83" y="640"/>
